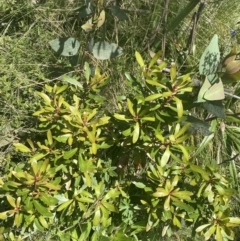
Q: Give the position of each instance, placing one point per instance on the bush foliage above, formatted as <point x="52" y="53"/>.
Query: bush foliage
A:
<point x="90" y="173"/>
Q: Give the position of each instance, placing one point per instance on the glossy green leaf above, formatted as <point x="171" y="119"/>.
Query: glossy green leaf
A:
<point x="139" y="184"/>
<point x="202" y="227"/>
<point x="38" y="225"/>
<point x="11" y="201"/>
<point x="43" y="221"/>
<point x="21" y="147"/>
<point x="173" y="72"/>
<point x="48" y="200"/>
<point x="64" y="205"/>
<point x="69" y="154"/>
<point x="49" y="137"/>
<point x="165" y="157"/>
<point x="97" y="217"/>
<point x="166" y="205"/>
<point x="136" y="132"/>
<point x="121" y="117"/>
<point x="185" y="195"/>
<point x="45" y="98"/>
<point x="179" y="106"/>
<point x="130" y="107"/>
<point x="109" y="206"/>
<point x="153" y="97"/>
<point x="61" y="89"/>
<point x="155" y="58"/>
<point x="201" y="171"/>
<point x="139" y="59"/>
<point x="3" y="215"/>
<point x="161" y="192"/>
<point x="41" y="209"/>
<point x="176" y="222"/>
<point x="210" y="232"/>
<point x="71" y="81"/>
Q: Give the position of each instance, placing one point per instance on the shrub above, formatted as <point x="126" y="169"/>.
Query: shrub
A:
<point x="110" y="176"/>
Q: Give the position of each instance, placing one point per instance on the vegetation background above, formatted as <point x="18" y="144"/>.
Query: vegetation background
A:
<point x="27" y="62"/>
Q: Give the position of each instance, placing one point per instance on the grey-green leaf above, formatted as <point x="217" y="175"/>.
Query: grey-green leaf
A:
<point x="119" y="13"/>
<point x="104" y="50"/>
<point x="210" y="58"/>
<point x="215" y="107"/>
<point x="65" y="46"/>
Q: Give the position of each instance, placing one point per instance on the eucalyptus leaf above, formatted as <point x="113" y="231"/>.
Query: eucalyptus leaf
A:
<point x="104" y="50"/>
<point x="119" y="13"/>
<point x="67" y="46"/>
<point x="210" y="58"/>
<point x="198" y="126"/>
<point x="215" y="107"/>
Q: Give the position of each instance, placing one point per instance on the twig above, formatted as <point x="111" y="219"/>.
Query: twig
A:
<point x="230" y="159"/>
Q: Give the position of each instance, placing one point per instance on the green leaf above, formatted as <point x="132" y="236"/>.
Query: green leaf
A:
<point x="210" y="232"/>
<point x="153" y="97"/>
<point x="184" y="206"/>
<point x="161" y="192"/>
<point x="21" y="147"/>
<point x="11" y="201"/>
<point x="185" y="195"/>
<point x="179" y="106"/>
<point x="165" y="157"/>
<point x="61" y="89"/>
<point x="97" y="217"/>
<point x="176" y="222"/>
<point x="67" y="46"/>
<point x="200" y="228"/>
<point x="41" y="209"/>
<point x="85" y="228"/>
<point x="38" y="225"/>
<point x="139" y="184"/>
<point x="64" y="205"/>
<point x="72" y="81"/>
<point x="206" y="140"/>
<point x="136" y="132"/>
<point x="118" y="12"/>
<point x="3" y="215"/>
<point x="109" y="207"/>
<point x="48" y="200"/>
<point x="104" y="50"/>
<point x="43" y="221"/>
<point x="69" y="154"/>
<point x="49" y="137"/>
<point x="183" y="14"/>
<point x="201" y="171"/>
<point x="45" y="98"/>
<point x="121" y="117"/>
<point x="155" y="57"/>
<point x="130" y="107"/>
<point x="139" y="59"/>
